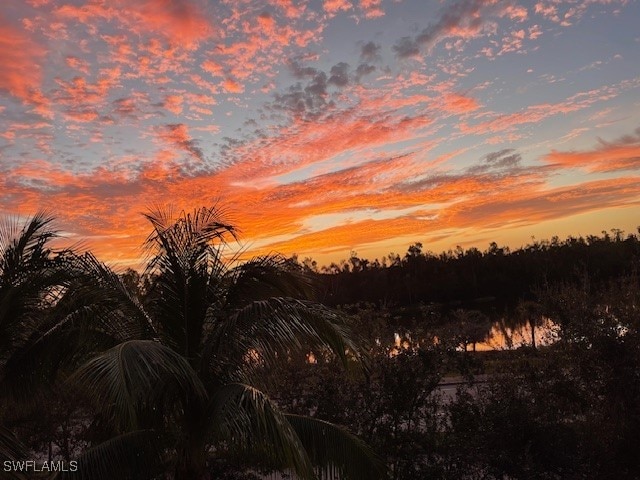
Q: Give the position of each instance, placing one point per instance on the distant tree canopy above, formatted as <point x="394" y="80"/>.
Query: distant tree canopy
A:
<point x="569" y="410"/>
<point x="489" y="280"/>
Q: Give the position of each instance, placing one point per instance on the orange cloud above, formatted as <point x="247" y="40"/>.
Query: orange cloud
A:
<point x="372" y="8"/>
<point x="532" y="207"/>
<point x="512" y="204"/>
<point x="333" y="6"/>
<point x="623" y="154"/>
<point x="173" y="103"/>
<point x="358" y="166"/>
<point x="376" y="201"/>
<point x="21" y="58"/>
<point x="291" y="9"/>
<point x="232" y="86"/>
<point x="177" y="135"/>
<point x="180" y="22"/>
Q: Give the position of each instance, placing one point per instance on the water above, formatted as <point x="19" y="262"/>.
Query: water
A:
<point x="502" y="337"/>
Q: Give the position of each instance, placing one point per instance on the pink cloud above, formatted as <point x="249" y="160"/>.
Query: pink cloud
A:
<point x="182" y="20"/>
<point x="459" y="104"/>
<point x="304" y="143"/>
<point x="515" y="12"/>
<point x="334" y="6"/>
<point x="179" y="21"/>
<point x="372" y="8"/>
<point x="513" y="42"/>
<point x="547" y="10"/>
<point x="623" y="154"/>
<point x="535" y="32"/>
<point x="83" y="99"/>
<point x="177" y="135"/>
<point x="38" y="3"/>
<point x="173" y="103"/>
<point x="232" y="86"/>
<point x="21" y="58"/>
<point x="78" y="64"/>
<point x="539" y="112"/>
<point x="290" y="8"/>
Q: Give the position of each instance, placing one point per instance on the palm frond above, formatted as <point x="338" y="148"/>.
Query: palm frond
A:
<point x="335" y="451"/>
<point x="92" y="311"/>
<point x="264" y="277"/>
<point x="11" y="449"/>
<point x="268" y="329"/>
<point x="183" y="244"/>
<point x="53" y="308"/>
<point x="186" y="257"/>
<point x="136" y="376"/>
<point x="22" y="248"/>
<point x="29" y="371"/>
<point x="98" y="295"/>
<point x="25" y="267"/>
<point x="23" y="303"/>
<point x="32" y="279"/>
<point x="246" y="419"/>
<point x="133" y="455"/>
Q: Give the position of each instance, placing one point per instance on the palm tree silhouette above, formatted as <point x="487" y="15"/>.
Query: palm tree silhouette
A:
<point x="178" y="381"/>
<point x="31" y="280"/>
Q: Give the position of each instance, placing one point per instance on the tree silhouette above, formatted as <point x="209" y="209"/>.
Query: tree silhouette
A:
<point x="31" y="280"/>
<point x="178" y="381"/>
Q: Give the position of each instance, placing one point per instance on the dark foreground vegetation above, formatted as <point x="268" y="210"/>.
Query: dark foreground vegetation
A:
<point x="161" y="382"/>
<point x="200" y="367"/>
<point x="566" y="411"/>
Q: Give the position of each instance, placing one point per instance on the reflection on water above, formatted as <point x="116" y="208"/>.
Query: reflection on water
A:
<point x="502" y="337"/>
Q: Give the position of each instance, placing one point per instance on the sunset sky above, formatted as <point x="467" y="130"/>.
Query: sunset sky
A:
<point x="323" y="126"/>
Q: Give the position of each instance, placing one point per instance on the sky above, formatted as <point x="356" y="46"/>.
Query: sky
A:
<point x="323" y="127"/>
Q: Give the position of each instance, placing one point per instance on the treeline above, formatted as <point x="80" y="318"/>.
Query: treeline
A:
<point x="570" y="410"/>
<point x="491" y="280"/>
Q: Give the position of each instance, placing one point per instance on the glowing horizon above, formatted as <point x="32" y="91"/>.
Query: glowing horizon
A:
<point x="323" y="127"/>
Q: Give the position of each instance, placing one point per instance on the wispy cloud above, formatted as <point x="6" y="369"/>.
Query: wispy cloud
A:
<point x="620" y="154"/>
<point x="21" y="57"/>
<point x="327" y="124"/>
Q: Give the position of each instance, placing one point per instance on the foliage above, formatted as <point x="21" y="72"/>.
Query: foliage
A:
<point x="394" y="407"/>
<point x="204" y="367"/>
<point x="572" y="411"/>
<point x="33" y="279"/>
<point x="492" y="281"/>
<point x="179" y="357"/>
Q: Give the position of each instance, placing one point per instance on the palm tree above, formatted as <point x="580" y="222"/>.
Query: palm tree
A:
<point x="31" y="280"/>
<point x="27" y="274"/>
<point x="178" y="382"/>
